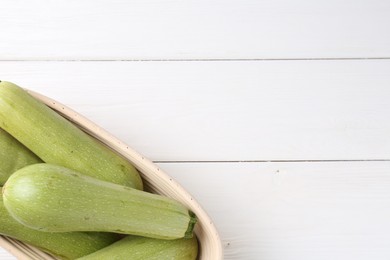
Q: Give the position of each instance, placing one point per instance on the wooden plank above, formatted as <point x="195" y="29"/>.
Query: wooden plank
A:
<point x="5" y="255"/>
<point x="227" y="111"/>
<point x="294" y="211"/>
<point x="174" y="29"/>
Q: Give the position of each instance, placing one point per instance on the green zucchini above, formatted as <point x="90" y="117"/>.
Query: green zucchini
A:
<point x="55" y="140"/>
<point x="13" y="156"/>
<point x="142" y="248"/>
<point x="62" y="245"/>
<point x="56" y="199"/>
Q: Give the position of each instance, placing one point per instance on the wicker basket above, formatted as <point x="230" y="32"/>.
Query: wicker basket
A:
<point x="155" y="180"/>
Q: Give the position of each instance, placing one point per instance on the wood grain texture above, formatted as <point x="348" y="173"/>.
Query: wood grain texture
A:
<point x="173" y="29"/>
<point x="294" y="211"/>
<point x="227" y="111"/>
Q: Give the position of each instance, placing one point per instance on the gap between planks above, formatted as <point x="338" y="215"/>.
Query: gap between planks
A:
<point x="276" y="161"/>
<point x="195" y="60"/>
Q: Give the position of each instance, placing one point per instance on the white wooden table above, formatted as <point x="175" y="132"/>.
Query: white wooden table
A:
<point x="275" y="115"/>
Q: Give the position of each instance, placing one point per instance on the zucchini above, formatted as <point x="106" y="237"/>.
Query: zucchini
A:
<point x="62" y="245"/>
<point x="13" y="156"/>
<point x="55" y="140"/>
<point x="57" y="199"/>
<point x="142" y="248"/>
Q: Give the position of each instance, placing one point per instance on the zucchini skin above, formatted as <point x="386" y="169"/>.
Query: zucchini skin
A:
<point x="53" y="198"/>
<point x="13" y="156"/>
<point x="62" y="245"/>
<point x="142" y="248"/>
<point x="55" y="140"/>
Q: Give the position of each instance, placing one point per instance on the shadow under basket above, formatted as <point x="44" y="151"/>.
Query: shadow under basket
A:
<point x="155" y="181"/>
